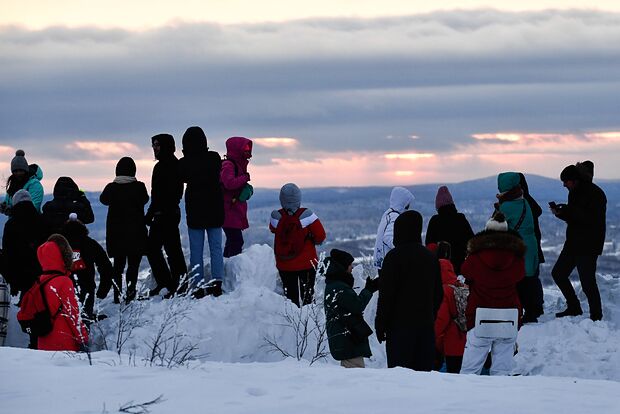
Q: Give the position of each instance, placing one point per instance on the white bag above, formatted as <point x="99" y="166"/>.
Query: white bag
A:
<point x="497" y="323"/>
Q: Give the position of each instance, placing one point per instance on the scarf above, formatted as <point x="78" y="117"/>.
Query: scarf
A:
<point x="124" y="179"/>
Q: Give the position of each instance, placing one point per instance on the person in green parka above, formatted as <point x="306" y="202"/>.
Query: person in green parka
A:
<point x="519" y="216"/>
<point x="347" y="331"/>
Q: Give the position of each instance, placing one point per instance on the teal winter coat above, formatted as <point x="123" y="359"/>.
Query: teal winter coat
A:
<point x="34" y="188"/>
<point x="344" y="315"/>
<point x="513" y="210"/>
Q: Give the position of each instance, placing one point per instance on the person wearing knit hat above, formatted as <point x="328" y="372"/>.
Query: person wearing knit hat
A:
<point x="401" y="200"/>
<point x="21" y="196"/>
<point x="126" y="232"/>
<point x="297" y="232"/>
<point x="26" y="177"/>
<point x="494" y="266"/>
<point x="347" y="331"/>
<point x="449" y="225"/>
<point x="585" y="217"/>
<point x="410" y="293"/>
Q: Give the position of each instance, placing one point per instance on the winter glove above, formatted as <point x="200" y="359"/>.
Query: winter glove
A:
<point x="372" y="285"/>
<point x="380" y="335"/>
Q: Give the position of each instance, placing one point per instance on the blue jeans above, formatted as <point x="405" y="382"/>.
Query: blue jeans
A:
<point x="196" y="248"/>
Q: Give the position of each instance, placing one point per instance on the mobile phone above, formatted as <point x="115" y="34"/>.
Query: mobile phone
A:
<point x="553" y="205"/>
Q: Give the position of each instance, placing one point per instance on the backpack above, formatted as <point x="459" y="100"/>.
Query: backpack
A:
<point x="78" y="262"/>
<point x="290" y="236"/>
<point x="34" y="314"/>
<point x="461" y="293"/>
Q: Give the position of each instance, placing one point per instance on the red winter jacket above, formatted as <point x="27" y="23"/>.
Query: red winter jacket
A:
<point x="493" y="268"/>
<point x="310" y="224"/>
<point x="449" y="339"/>
<point x="68" y="331"/>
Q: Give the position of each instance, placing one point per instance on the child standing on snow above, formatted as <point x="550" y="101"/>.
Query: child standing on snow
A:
<point x="450" y="330"/>
<point x="347" y="331"/>
<point x="297" y="232"/>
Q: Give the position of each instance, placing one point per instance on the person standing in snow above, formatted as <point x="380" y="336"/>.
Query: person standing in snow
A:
<point x="204" y="207"/>
<point x="68" y="198"/>
<point x="584" y="215"/>
<point x="237" y="190"/>
<point x="400" y="201"/>
<point x="449" y="333"/>
<point x="410" y="293"/>
<point x="87" y="253"/>
<point x="494" y="266"/>
<point x="450" y="226"/>
<point x="347" y="331"/>
<point x="519" y="217"/>
<point x="26" y="177"/>
<point x="126" y="232"/>
<point x="297" y="232"/>
<point x="532" y="287"/>
<point x="68" y="331"/>
<point x="5" y="304"/>
<point x="164" y="216"/>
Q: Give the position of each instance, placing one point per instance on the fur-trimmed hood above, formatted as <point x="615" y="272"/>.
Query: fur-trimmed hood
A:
<point x="55" y="255"/>
<point x="496" y="240"/>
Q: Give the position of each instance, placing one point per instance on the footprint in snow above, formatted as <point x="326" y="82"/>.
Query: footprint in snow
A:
<point x="256" y="392"/>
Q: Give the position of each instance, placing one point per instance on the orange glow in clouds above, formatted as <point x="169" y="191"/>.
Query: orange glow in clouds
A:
<point x="276" y="142"/>
<point x="104" y="149"/>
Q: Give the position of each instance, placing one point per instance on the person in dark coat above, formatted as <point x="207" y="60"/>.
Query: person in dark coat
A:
<point x="23" y="233"/>
<point x="68" y="198"/>
<point x="164" y="216"/>
<point x="410" y="293"/>
<point x="125" y="227"/>
<point x="450" y="226"/>
<point x="87" y="254"/>
<point x="494" y="266"/>
<point x="204" y="207"/>
<point x="531" y="287"/>
<point x="584" y="215"/>
<point x="347" y="331"/>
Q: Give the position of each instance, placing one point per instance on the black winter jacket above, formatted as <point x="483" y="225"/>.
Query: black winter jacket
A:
<point x="67" y="199"/>
<point x="200" y="169"/>
<point x="451" y="226"/>
<point x="585" y="215"/>
<point x="126" y="232"/>
<point x="166" y="184"/>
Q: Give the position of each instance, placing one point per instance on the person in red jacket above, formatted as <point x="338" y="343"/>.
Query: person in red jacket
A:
<point x="449" y="338"/>
<point x="297" y="232"/>
<point x="494" y="265"/>
<point x="68" y="331"/>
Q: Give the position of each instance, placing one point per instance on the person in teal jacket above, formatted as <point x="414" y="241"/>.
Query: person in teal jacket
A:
<point x="347" y="331"/>
<point x="519" y="216"/>
<point x="26" y="177"/>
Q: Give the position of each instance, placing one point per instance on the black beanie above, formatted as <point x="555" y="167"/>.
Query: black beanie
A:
<point x="408" y="228"/>
<point x="126" y="167"/>
<point x="570" y="173"/>
<point x="343" y="258"/>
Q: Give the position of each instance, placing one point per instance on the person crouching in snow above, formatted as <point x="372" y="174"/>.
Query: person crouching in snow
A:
<point x="68" y="331"/>
<point x="450" y="326"/>
<point x="400" y="201"/>
<point x="297" y="232"/>
<point x="493" y="268"/>
<point x="347" y="331"/>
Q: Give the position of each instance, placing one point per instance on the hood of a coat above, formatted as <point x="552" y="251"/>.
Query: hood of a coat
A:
<point x="167" y="146"/>
<point x="290" y="197"/>
<point x="65" y="187"/>
<point x="24" y="212"/>
<point x="401" y="198"/>
<point x="194" y="141"/>
<point x="55" y="255"/>
<point x="126" y="167"/>
<point x="497" y="249"/>
<point x="35" y="171"/>
<point x="235" y="148"/>
<point x="408" y="228"/>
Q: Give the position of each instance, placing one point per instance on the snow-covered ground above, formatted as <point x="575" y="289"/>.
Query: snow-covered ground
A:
<point x="226" y="355"/>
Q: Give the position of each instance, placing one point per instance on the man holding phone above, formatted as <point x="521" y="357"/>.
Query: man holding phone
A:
<point x="584" y="215"/>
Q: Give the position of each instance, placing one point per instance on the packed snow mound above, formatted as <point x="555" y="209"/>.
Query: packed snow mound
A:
<point x="253" y="322"/>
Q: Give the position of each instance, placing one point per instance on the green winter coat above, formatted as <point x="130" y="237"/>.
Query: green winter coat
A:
<point x="513" y="210"/>
<point x="344" y="313"/>
<point x="34" y="188"/>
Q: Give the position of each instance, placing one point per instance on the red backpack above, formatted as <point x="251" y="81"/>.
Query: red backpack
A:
<point x="290" y="235"/>
<point x="34" y="315"/>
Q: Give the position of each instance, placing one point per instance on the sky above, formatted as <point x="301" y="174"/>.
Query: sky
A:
<point x="333" y="93"/>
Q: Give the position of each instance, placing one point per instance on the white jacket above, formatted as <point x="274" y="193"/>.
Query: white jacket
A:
<point x="400" y="201"/>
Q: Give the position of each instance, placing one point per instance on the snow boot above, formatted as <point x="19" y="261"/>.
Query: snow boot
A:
<point x="213" y="288"/>
<point x="570" y="311"/>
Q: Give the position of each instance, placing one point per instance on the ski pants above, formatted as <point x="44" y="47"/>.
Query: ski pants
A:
<point x="586" y="267"/>
<point x="477" y="350"/>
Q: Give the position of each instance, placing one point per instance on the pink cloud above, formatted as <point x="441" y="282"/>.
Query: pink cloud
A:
<point x="275" y="142"/>
<point x="103" y="149"/>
